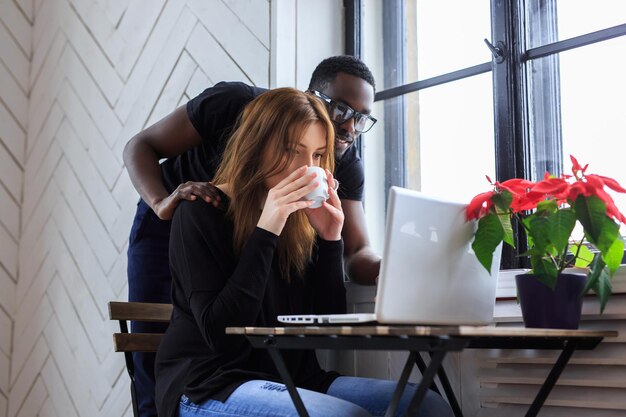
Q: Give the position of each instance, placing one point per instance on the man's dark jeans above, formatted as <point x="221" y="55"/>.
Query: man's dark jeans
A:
<point x="149" y="280"/>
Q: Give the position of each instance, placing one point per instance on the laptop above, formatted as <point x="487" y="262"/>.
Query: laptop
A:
<point x="429" y="273"/>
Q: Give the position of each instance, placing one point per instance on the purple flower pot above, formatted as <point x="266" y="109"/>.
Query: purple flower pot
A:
<point x="545" y="308"/>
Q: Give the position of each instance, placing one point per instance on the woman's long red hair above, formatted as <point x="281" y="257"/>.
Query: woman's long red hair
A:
<point x="270" y="126"/>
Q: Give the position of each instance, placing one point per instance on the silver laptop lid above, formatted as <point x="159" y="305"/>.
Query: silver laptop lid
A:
<point x="429" y="273"/>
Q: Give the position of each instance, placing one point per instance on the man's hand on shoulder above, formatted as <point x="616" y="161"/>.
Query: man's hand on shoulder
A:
<point x="206" y="191"/>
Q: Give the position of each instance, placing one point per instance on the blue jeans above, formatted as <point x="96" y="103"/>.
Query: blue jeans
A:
<point x="149" y="280"/>
<point x="346" y="397"/>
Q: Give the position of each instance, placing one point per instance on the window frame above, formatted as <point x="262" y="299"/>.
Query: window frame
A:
<point x="514" y="142"/>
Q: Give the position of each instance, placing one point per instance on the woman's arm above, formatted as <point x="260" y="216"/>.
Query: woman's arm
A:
<point x="326" y="279"/>
<point x="201" y="258"/>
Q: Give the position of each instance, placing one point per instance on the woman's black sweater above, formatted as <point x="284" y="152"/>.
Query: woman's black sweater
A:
<point x="212" y="289"/>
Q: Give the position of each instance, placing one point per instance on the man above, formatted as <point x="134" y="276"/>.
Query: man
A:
<point x="192" y="138"/>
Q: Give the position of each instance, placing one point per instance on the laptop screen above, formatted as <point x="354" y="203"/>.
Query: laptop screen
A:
<point x="429" y="272"/>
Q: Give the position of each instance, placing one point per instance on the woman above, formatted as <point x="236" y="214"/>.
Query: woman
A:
<point x="262" y="253"/>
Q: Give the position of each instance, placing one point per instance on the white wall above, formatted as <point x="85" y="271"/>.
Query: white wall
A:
<point x="15" y="53"/>
<point x="304" y="32"/>
<point x="77" y="79"/>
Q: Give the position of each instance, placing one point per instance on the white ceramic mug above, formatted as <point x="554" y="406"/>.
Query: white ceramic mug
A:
<point x="320" y="194"/>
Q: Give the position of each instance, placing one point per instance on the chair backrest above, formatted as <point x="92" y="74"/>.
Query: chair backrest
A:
<point x="137" y="342"/>
<point x="148" y="312"/>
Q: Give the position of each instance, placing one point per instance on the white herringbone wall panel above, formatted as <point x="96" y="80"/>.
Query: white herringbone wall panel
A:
<point x="15" y="58"/>
<point x="78" y="78"/>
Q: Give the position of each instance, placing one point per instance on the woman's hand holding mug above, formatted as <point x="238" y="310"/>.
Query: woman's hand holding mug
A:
<point x="303" y="189"/>
<point x="327" y="220"/>
<point x="286" y="198"/>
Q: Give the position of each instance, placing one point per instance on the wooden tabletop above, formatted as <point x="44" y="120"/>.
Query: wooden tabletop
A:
<point x="459" y="331"/>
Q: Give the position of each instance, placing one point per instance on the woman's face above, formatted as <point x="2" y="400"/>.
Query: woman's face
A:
<point x="309" y="152"/>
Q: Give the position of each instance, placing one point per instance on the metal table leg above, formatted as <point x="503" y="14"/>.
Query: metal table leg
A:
<point x="445" y="383"/>
<point x="447" y="388"/>
<point x="404" y="377"/>
<point x="553" y="376"/>
<point x="419" y="361"/>
<point x="427" y="380"/>
<point x="284" y="374"/>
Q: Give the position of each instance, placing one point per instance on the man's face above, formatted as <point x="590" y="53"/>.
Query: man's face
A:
<point x="356" y="93"/>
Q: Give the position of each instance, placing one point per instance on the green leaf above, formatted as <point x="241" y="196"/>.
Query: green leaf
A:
<point x="505" y="222"/>
<point x="548" y="206"/>
<point x="613" y="256"/>
<point x="487" y="238"/>
<point x="599" y="280"/>
<point x="603" y="288"/>
<point x="561" y="226"/>
<point x="540" y="231"/>
<point x="590" y="212"/>
<point x="502" y="200"/>
<point x="594" y="273"/>
<point x="529" y="252"/>
<point x="608" y="234"/>
<point x="526" y="223"/>
<point x="545" y="270"/>
<point x="585" y="256"/>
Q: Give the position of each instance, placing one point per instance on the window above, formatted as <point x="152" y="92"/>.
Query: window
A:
<point x="499" y="88"/>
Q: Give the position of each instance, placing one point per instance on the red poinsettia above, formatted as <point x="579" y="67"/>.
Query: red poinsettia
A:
<point x="479" y="206"/>
<point x="548" y="211"/>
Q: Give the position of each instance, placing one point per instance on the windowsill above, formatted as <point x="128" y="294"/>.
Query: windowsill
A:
<point x="506" y="282"/>
<point x="507" y="310"/>
<point x="361" y="298"/>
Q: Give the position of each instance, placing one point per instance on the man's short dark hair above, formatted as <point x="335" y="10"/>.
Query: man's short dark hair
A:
<point x="328" y="69"/>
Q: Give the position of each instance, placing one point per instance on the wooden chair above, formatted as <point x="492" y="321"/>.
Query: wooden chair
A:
<point x="137" y="342"/>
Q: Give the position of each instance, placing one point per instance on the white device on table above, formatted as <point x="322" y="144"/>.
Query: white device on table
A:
<point x="429" y="273"/>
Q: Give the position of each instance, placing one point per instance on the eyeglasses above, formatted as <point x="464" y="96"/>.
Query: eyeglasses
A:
<point x="340" y="113"/>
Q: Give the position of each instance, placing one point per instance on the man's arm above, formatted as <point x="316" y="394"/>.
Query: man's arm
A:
<point x="170" y="136"/>
<point x="362" y="264"/>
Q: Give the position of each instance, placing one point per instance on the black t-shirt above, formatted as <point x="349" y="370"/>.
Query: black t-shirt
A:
<point x="214" y="289"/>
<point x="214" y="114"/>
